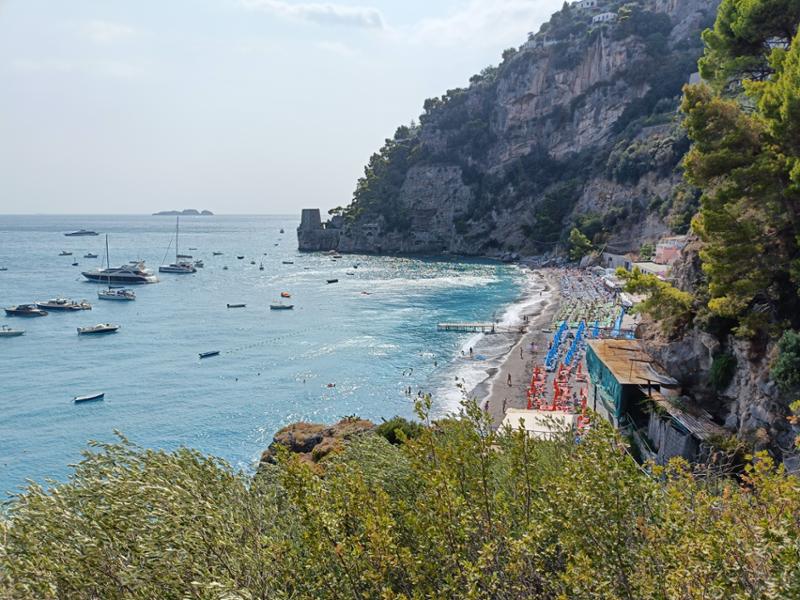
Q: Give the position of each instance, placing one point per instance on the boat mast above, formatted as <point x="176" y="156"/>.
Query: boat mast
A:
<point x="177" y="254"/>
<point x="108" y="264"/>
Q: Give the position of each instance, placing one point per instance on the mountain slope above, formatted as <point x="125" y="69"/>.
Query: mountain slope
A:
<point x="576" y="127"/>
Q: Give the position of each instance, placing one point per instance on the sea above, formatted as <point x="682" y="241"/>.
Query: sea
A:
<point x="356" y="347"/>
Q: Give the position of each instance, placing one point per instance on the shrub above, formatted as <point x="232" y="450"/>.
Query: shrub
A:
<point x="723" y="368"/>
<point x="397" y="430"/>
<point x="786" y="370"/>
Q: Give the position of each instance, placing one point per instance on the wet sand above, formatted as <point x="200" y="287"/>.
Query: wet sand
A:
<point x="529" y="350"/>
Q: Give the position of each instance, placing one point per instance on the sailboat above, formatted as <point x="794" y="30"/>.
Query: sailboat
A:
<point x="114" y="293"/>
<point x="179" y="266"/>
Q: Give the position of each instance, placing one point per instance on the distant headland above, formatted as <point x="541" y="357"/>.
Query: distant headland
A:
<point x="188" y="212"/>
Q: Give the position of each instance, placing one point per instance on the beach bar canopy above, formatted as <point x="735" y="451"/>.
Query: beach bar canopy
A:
<point x="540" y="424"/>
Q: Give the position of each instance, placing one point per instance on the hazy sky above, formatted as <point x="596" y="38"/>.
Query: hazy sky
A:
<point x="239" y="106"/>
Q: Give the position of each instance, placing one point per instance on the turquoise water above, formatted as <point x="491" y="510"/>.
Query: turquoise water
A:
<point x="275" y="367"/>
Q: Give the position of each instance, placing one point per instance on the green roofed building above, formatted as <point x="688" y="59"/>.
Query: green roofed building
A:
<point x="629" y="389"/>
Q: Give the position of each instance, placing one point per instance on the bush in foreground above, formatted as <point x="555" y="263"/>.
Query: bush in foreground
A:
<point x="459" y="512"/>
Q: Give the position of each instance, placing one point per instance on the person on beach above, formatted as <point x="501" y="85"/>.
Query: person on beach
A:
<point x="470" y="351"/>
<point x="509" y="380"/>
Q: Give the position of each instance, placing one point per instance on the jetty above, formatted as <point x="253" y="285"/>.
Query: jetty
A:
<point x="468" y="327"/>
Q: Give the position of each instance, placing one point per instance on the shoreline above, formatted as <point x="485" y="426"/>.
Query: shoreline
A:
<point x="493" y="393"/>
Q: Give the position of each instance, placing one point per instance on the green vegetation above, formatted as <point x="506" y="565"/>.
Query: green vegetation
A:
<point x="723" y="368"/>
<point x="459" y="512"/>
<point x="579" y="244"/>
<point x="786" y="370"/>
<point x="669" y="305"/>
<point x="397" y="430"/>
<point x="746" y="160"/>
<point x="647" y="251"/>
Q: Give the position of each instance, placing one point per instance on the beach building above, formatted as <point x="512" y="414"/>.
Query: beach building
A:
<point x="540" y="424"/>
<point x="651" y="268"/>
<point x="669" y="249"/>
<point x="629" y="389"/>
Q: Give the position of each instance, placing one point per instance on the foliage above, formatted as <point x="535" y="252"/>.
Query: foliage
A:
<point x="579" y="244"/>
<point x="462" y="511"/>
<point x="669" y="305"/>
<point x="397" y="430"/>
<point x="746" y="163"/>
<point x="745" y="33"/>
<point x="646" y="251"/>
<point x="786" y="370"/>
<point x="723" y="368"/>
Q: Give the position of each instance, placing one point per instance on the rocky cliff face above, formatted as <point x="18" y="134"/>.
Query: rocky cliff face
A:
<point x="576" y="127"/>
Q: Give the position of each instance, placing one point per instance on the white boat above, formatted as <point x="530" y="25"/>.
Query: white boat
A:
<point x="90" y="255"/>
<point x="64" y="304"/>
<point x="278" y="305"/>
<point x="116" y="294"/>
<point x="98" y="329"/>
<point x="89" y="397"/>
<point x="180" y="266"/>
<point x="65" y="253"/>
<point x="6" y="331"/>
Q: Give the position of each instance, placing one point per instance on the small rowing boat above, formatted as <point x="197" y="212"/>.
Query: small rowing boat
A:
<point x="236" y="305"/>
<point x="209" y="354"/>
<point x="89" y="398"/>
<point x="281" y="306"/>
<point x="332" y="280"/>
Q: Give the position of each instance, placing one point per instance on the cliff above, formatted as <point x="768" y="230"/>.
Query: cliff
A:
<point x="577" y="127"/>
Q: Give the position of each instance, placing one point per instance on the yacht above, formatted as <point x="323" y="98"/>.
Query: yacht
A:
<point x="6" y="331"/>
<point x="134" y="272"/>
<point x="81" y="233"/>
<point x="25" y="310"/>
<point x="64" y="304"/>
<point x="98" y="329"/>
<point x="116" y="294"/>
<point x="180" y="266"/>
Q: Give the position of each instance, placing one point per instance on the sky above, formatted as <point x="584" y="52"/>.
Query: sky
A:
<point x="237" y="106"/>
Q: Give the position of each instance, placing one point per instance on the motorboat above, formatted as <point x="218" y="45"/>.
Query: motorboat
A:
<point x="89" y="397"/>
<point x="261" y="267"/>
<point x="75" y="264"/>
<point x="252" y="262"/>
<point x="3" y="268"/>
<point x="216" y="253"/>
<point x="288" y="262"/>
<point x="236" y="305"/>
<point x="199" y="263"/>
<point x="181" y="266"/>
<point x="6" y="331"/>
<point x="130" y="274"/>
<point x="209" y="354"/>
<point x="65" y="253"/>
<point x="225" y="268"/>
<point x="64" y="305"/>
<point x="116" y="294"/>
<point x="332" y="280"/>
<point x="337" y="256"/>
<point x="282" y="230"/>
<point x="285" y="295"/>
<point x="240" y="257"/>
<point x="81" y="233"/>
<point x="98" y="329"/>
<point x="280" y="306"/>
<point x="90" y="255"/>
<point x="25" y="310"/>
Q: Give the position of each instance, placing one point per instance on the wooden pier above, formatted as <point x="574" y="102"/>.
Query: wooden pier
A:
<point x="468" y="327"/>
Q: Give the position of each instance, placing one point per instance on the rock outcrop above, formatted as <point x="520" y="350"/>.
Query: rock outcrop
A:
<point x="312" y="442"/>
<point x="579" y="123"/>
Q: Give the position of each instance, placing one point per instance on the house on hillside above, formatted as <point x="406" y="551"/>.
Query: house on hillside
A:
<point x="605" y="17"/>
<point x="668" y="249"/>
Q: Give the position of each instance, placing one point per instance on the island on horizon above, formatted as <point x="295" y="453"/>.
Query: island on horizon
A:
<point x="189" y="212"/>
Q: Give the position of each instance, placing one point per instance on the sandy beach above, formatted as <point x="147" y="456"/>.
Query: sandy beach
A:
<point x="495" y="394"/>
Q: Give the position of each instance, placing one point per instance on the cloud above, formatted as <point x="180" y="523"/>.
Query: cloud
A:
<point x="338" y="48"/>
<point x="104" y="68"/>
<point x="322" y="13"/>
<point x="106" y="32"/>
<point x="485" y="23"/>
